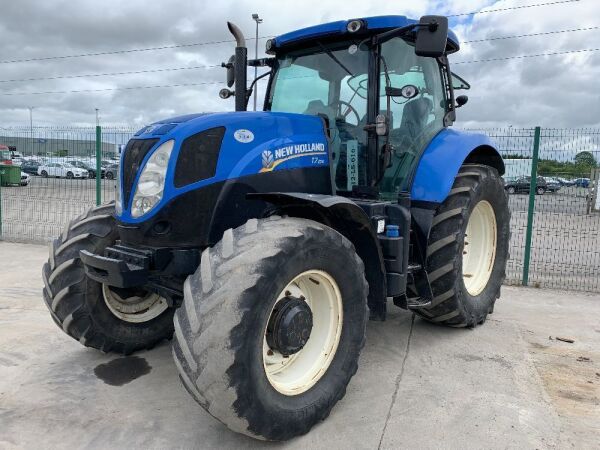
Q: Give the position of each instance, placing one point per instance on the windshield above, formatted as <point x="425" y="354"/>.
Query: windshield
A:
<point x="318" y="81"/>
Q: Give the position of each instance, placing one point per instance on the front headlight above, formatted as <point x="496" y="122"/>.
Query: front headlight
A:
<point x="151" y="183"/>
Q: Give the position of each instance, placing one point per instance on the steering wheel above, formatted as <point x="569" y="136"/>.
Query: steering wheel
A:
<point x="349" y="109"/>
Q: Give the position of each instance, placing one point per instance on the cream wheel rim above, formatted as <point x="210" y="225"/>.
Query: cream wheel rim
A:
<point x="479" y="252"/>
<point x="134" y="309"/>
<point x="297" y="373"/>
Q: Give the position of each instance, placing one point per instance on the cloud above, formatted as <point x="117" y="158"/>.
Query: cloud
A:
<point x="553" y="91"/>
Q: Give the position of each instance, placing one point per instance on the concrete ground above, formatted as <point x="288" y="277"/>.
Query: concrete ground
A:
<point x="507" y="384"/>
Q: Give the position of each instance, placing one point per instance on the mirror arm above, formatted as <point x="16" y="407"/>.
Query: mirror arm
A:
<point x="251" y="88"/>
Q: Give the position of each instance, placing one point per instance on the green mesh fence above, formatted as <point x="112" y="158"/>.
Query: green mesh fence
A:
<point x="559" y="233"/>
<point x="565" y="224"/>
<point x="58" y="166"/>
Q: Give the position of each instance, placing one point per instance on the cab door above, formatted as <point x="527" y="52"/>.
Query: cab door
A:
<point x="415" y="120"/>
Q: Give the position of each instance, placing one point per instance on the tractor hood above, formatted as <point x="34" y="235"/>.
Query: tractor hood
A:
<point x="215" y="147"/>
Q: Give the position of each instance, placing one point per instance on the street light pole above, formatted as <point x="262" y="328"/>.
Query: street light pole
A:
<point x="258" y="20"/>
<point x="30" y="108"/>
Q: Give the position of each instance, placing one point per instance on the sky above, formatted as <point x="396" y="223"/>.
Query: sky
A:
<point x="552" y="91"/>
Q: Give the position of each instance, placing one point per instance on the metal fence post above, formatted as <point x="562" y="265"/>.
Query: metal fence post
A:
<point x="98" y="165"/>
<point x="531" y="209"/>
<point x="0" y="207"/>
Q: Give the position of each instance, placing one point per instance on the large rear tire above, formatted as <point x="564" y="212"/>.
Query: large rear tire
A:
<point x="224" y="346"/>
<point x="468" y="249"/>
<point x="120" y="321"/>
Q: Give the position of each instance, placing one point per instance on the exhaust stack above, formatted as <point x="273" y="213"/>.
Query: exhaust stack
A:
<point x="240" y="67"/>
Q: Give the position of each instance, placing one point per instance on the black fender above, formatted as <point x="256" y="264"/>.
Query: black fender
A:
<point x="348" y="219"/>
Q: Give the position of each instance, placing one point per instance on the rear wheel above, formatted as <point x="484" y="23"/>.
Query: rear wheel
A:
<point x="511" y="190"/>
<point x="540" y="191"/>
<point x="109" y="175"/>
<point x="44" y="174"/>
<point x="272" y="326"/>
<point x="99" y="316"/>
<point x="468" y="249"/>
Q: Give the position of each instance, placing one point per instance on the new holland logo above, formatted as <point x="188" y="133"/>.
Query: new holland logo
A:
<point x="267" y="159"/>
<point x="272" y="158"/>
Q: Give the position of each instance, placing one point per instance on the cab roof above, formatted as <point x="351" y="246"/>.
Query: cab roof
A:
<point x="339" y="28"/>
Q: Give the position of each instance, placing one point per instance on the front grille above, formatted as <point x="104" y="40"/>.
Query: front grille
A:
<point x="198" y="157"/>
<point x="135" y="152"/>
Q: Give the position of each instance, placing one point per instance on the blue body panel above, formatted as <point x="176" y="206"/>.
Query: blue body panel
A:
<point x="280" y="141"/>
<point x="378" y="23"/>
<point x="441" y="161"/>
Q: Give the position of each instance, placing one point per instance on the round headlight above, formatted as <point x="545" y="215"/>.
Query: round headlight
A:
<point x="354" y="26"/>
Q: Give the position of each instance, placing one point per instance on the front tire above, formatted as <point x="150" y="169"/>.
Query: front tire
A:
<point x="120" y="321"/>
<point x="225" y="355"/>
<point x="468" y="249"/>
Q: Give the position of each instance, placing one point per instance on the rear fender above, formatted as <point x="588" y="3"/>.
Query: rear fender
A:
<point x="442" y="159"/>
<point x="348" y="219"/>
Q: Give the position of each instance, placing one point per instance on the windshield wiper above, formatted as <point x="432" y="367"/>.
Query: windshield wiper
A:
<point x="332" y="56"/>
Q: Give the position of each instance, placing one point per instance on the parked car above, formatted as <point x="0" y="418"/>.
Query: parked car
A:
<point x="25" y="178"/>
<point x="552" y="184"/>
<point x="91" y="169"/>
<point x="62" y="170"/>
<point x="565" y="182"/>
<point x="112" y="172"/>
<point x="582" y="182"/>
<point x="30" y="167"/>
<point x="522" y="184"/>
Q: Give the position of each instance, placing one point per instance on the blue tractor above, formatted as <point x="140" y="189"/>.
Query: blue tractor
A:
<point x="263" y="241"/>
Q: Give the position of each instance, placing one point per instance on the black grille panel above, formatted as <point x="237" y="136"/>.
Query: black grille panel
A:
<point x="135" y="152"/>
<point x="198" y="157"/>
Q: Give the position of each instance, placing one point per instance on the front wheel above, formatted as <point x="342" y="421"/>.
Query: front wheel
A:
<point x="468" y="249"/>
<point x="69" y="175"/>
<point x="96" y="315"/>
<point x="272" y="326"/>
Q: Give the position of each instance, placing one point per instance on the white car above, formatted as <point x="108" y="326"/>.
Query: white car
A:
<point x="61" y="170"/>
<point x="25" y="179"/>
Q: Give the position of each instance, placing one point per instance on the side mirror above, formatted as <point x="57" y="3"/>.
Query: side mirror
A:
<point x="461" y="100"/>
<point x="229" y="65"/>
<point x="432" y="36"/>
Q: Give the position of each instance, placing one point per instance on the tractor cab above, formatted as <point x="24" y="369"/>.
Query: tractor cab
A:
<point x="381" y="94"/>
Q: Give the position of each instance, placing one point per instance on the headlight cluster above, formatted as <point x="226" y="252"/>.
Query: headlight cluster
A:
<point x="151" y="183"/>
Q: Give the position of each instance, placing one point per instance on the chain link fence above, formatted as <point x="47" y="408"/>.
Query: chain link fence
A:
<point x="551" y="176"/>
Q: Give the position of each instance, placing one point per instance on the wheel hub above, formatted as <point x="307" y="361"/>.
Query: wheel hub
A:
<point x="290" y="325"/>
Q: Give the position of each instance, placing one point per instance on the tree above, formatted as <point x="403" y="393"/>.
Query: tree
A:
<point x="585" y="159"/>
